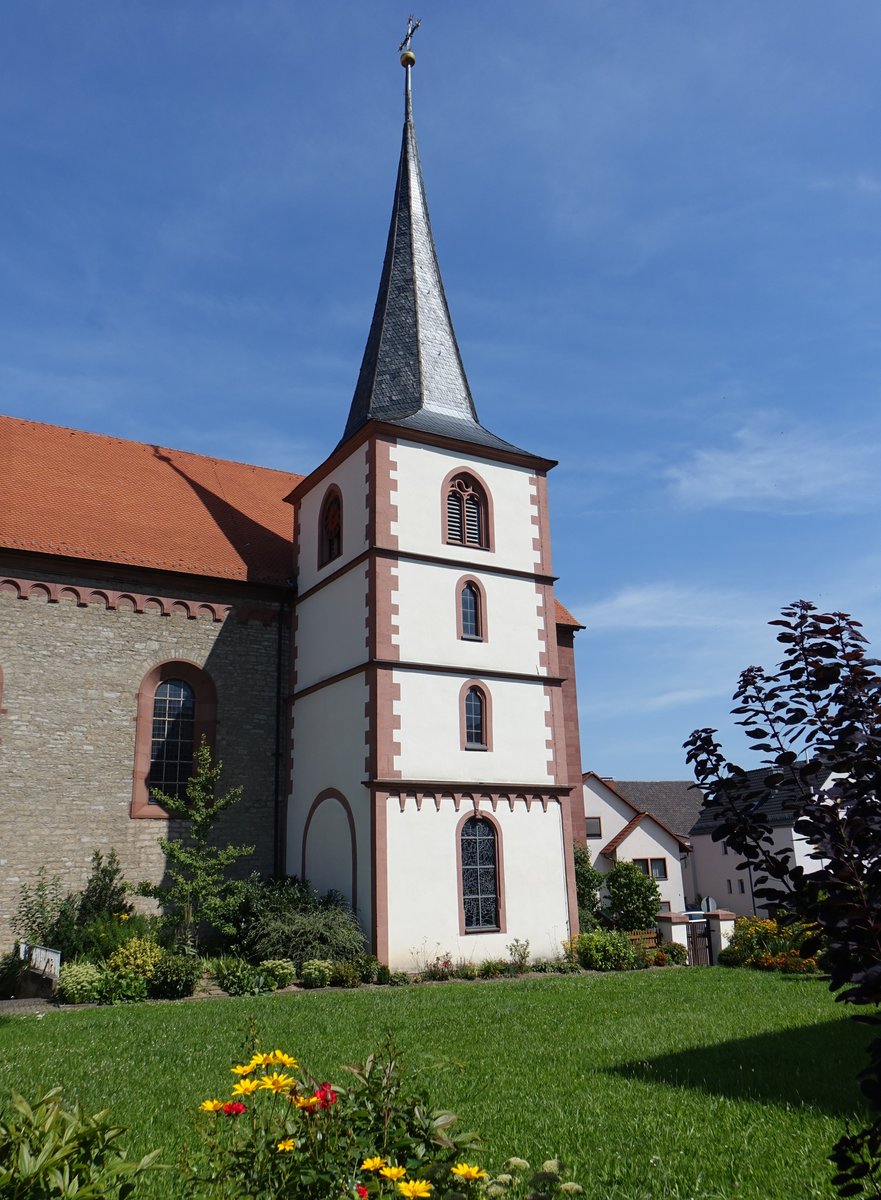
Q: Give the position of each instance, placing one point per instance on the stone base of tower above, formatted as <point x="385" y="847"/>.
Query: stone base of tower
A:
<point x="423" y="906"/>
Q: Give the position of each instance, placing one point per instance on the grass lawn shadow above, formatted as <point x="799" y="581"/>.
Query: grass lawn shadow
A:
<point x="813" y="1065"/>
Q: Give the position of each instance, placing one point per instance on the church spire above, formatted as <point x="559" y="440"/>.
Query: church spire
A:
<point x="412" y="374"/>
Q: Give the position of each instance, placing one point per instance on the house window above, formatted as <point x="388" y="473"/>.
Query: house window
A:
<point x="659" y="868"/>
<point x="664" y="906"/>
<point x="740" y="887"/>
<point x="470" y="611"/>
<point x="330" y="531"/>
<point x="171" y="745"/>
<point x="475" y="719"/>
<point x="593" y="827"/>
<point x="467" y="512"/>
<point x="724" y="848"/>
<point x="728" y="886"/>
<point x="176" y="708"/>
<point x="642" y="864"/>
<point x="480" y="876"/>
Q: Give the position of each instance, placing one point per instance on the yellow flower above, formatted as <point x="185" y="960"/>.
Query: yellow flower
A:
<point x="245" y="1087"/>
<point x="211" y="1105"/>
<point x="243" y="1070"/>
<point x="277" y="1083"/>
<point x="467" y="1173"/>
<point x="394" y="1173"/>
<point x="286" y="1144"/>
<point x="261" y="1060"/>
<point x="280" y="1059"/>
<point x="415" y="1188"/>
<point x="306" y="1102"/>
<point x="124" y="916"/>
<point x="372" y="1164"/>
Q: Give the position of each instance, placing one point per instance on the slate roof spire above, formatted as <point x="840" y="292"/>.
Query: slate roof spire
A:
<point x="412" y="373"/>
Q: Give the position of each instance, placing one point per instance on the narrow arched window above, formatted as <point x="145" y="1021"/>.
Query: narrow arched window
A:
<point x="469" y="602"/>
<point x="173" y="734"/>
<point x="330" y="533"/>
<point x="475" y="719"/>
<point x="467" y="513"/>
<point x="480" y="875"/>
<point x="177" y="707"/>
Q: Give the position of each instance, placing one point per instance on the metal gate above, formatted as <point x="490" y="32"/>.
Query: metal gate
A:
<point x="700" y="953"/>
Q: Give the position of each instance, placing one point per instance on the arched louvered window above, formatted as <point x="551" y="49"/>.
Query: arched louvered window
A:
<point x="475" y="719"/>
<point x="469" y="600"/>
<point x="467" y="513"/>
<point x="173" y="735"/>
<point x="480" y="874"/>
<point x="330" y="531"/>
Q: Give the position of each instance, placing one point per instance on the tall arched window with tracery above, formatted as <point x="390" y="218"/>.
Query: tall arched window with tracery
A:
<point x="177" y="707"/>
<point x="330" y="527"/>
<point x="467" y="517"/>
<point x="479" y="858"/>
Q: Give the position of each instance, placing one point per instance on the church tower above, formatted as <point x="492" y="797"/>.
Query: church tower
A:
<point x="430" y="771"/>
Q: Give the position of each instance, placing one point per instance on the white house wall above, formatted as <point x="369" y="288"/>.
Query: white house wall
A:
<point x="427" y="609"/>
<point x="331" y="630"/>
<point x="329" y="731"/>
<point x="419" y="476"/>
<point x="350" y="477"/>
<point x="430" y="737"/>
<point x="423" y="908"/>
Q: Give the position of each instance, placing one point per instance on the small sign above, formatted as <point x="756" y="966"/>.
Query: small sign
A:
<point x="45" y="961"/>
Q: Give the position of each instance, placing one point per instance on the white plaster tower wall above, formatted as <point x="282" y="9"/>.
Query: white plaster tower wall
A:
<point x="351" y="479"/>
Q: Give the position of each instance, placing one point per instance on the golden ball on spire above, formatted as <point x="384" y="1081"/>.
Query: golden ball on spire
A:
<point x="408" y="58"/>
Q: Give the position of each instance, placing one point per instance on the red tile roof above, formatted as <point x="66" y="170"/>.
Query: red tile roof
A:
<point x="84" y="495"/>
<point x="564" y="616"/>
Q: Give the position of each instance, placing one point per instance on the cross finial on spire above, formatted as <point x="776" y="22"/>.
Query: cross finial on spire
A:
<point x="408" y="58"/>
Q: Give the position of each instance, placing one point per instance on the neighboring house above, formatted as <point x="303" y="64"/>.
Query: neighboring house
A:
<point x="715" y="866"/>
<point x="374" y="650"/>
<point x="619" y="827"/>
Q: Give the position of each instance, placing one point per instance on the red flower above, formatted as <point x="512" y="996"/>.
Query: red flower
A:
<point x="234" y="1108"/>
<point x="362" y="1191"/>
<point x="325" y="1096"/>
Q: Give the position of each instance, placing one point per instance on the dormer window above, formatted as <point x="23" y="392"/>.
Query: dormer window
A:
<point x="330" y="531"/>
<point x="466" y="513"/>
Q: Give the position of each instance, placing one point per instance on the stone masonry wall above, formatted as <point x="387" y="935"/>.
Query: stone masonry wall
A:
<point x="69" y="677"/>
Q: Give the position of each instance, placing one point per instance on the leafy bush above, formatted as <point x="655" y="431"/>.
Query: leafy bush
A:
<point x="517" y="1180"/>
<point x="369" y="967"/>
<point x="327" y="929"/>
<point x="280" y="970"/>
<point x="634" y="898"/>
<point x="345" y="975"/>
<point x="492" y="968"/>
<point x="383" y="973"/>
<point x="12" y="971"/>
<point x="122" y="989"/>
<point x="80" y="983"/>
<point x="46" y="1149"/>
<point x="316" y="973"/>
<point x="675" y="952"/>
<point x="438" y="968"/>
<point x="138" y="956"/>
<point x="757" y="942"/>
<point x="465" y="970"/>
<point x="45" y="916"/>
<point x="603" y="950"/>
<point x="239" y="978"/>
<point x="399" y="979"/>
<point x="519" y="953"/>
<point x="588" y="883"/>
<point x="175" y="977"/>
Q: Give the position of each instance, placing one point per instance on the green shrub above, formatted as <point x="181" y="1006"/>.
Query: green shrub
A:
<point x="604" y="950"/>
<point x="383" y="973"/>
<point x="239" y="978"/>
<point x="438" y="968"/>
<point x="122" y="989"/>
<point x="588" y="884"/>
<point x="519" y="954"/>
<point x="369" y="967"/>
<point x="767" y="945"/>
<point x="329" y="931"/>
<point x="675" y="952"/>
<point x="138" y="956"/>
<point x="399" y="979"/>
<point x="47" y="1150"/>
<point x="465" y="970"/>
<point x="316" y="973"/>
<point x="175" y="977"/>
<point x="12" y="971"/>
<point x="492" y="968"/>
<point x="634" y="898"/>
<point x="345" y="975"/>
<point x="80" y="983"/>
<point x="280" y="970"/>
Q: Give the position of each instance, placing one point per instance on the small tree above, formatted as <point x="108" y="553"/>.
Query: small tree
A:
<point x="198" y="890"/>
<point x="588" y="882"/>
<point x="817" y="723"/>
<point x="634" y="898"/>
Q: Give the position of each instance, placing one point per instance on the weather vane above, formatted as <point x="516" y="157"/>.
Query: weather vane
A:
<point x="408" y="58"/>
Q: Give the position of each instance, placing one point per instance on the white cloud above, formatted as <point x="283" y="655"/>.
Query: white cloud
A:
<point x="671" y="606"/>
<point x="859" y="183"/>
<point x="788" y="470"/>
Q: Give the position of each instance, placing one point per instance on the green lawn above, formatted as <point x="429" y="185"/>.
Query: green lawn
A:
<point x="699" y="1083"/>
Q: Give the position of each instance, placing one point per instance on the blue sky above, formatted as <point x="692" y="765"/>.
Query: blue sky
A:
<point x="660" y="232"/>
